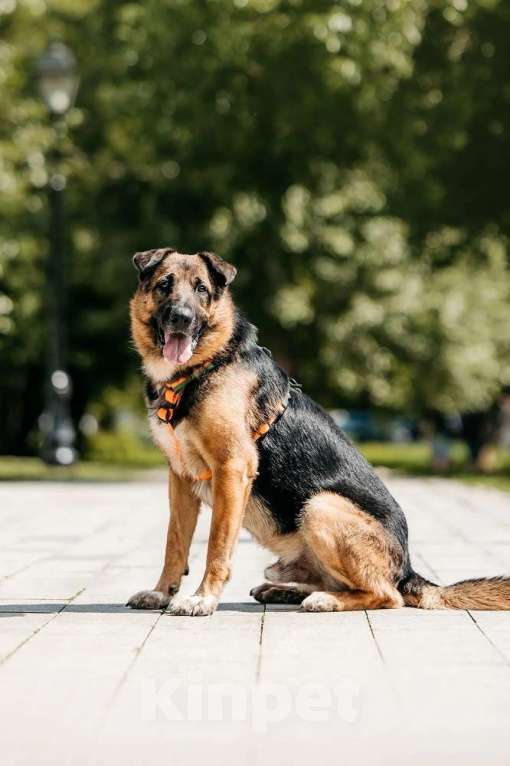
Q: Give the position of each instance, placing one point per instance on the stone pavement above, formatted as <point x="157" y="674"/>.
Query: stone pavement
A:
<point x="83" y="680"/>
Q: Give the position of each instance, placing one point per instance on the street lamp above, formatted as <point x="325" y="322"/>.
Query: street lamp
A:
<point x="58" y="83"/>
<point x="58" y="78"/>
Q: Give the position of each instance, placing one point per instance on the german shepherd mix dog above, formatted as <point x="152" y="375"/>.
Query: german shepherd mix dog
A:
<point x="243" y="438"/>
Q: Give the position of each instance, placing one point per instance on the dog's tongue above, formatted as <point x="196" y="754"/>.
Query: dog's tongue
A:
<point x="177" y="348"/>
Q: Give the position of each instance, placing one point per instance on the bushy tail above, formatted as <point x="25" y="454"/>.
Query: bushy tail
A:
<point x="480" y="593"/>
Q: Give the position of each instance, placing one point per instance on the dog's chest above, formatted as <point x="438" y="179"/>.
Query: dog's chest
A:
<point x="180" y="446"/>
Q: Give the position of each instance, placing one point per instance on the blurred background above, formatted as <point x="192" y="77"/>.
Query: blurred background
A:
<point x="351" y="158"/>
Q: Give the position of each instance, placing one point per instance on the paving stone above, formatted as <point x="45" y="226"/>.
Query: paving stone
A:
<point x="86" y="680"/>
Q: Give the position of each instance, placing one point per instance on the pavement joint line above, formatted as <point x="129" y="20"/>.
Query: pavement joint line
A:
<point x="429" y="566"/>
<point x="24" y="568"/>
<point x="486" y="545"/>
<point x="468" y="505"/>
<point x="8" y="656"/>
<point x="397" y="693"/>
<point x="19" y="600"/>
<point x="138" y="651"/>
<point x="107" y="565"/>
<point x="457" y="531"/>
<point x="97" y="574"/>
<point x="371" y="629"/>
<point x="54" y="553"/>
<point x="261" y="638"/>
<point x="501" y="654"/>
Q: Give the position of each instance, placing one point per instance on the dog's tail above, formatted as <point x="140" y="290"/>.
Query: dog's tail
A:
<point x="480" y="593"/>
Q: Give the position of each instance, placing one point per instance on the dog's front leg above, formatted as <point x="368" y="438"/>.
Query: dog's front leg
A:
<point x="184" y="508"/>
<point x="231" y="488"/>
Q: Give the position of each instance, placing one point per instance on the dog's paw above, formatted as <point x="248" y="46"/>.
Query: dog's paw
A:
<point x="319" y="601"/>
<point x="258" y="592"/>
<point x="193" y="606"/>
<point x="149" y="599"/>
<point x="268" y="593"/>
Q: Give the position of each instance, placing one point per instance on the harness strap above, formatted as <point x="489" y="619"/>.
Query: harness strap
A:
<point x="170" y="397"/>
<point x="172" y="391"/>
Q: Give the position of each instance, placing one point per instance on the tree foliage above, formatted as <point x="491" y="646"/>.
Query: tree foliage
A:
<point x="349" y="157"/>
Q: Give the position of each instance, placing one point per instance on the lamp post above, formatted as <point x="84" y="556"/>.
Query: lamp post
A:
<point x="58" y="83"/>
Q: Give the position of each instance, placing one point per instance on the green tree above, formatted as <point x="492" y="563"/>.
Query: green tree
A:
<point x="349" y="158"/>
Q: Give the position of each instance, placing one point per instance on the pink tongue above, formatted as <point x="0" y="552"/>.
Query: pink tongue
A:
<point x="177" y="348"/>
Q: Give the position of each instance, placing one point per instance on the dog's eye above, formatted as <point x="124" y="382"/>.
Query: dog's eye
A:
<point x="164" y="285"/>
<point x="201" y="288"/>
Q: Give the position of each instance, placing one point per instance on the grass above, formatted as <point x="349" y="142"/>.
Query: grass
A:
<point x="414" y="460"/>
<point x="33" y="469"/>
<point x="408" y="459"/>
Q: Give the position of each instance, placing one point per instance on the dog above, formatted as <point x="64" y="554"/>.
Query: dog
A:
<point x="242" y="437"/>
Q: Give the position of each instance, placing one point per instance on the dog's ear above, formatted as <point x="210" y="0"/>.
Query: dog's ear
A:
<point x="222" y="273"/>
<point x="146" y="261"/>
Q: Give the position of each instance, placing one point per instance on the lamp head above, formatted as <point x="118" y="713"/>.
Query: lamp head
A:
<point x="58" y="78"/>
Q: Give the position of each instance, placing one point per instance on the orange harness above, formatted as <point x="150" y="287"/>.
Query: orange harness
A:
<point x="169" y="399"/>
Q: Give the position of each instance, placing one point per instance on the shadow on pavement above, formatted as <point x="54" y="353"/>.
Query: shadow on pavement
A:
<point x="9" y="609"/>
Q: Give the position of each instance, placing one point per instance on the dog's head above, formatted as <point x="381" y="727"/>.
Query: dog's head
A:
<point x="181" y="309"/>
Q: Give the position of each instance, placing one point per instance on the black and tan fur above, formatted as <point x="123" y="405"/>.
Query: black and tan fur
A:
<point x="303" y="490"/>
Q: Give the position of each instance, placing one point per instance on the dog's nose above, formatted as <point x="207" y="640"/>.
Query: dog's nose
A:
<point x="181" y="317"/>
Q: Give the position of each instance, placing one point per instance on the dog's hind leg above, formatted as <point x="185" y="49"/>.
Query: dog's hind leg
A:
<point x="353" y="549"/>
<point x="300" y="569"/>
<point x="290" y="582"/>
